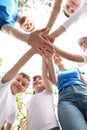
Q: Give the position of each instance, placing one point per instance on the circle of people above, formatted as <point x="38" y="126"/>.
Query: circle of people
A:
<point x="71" y="83"/>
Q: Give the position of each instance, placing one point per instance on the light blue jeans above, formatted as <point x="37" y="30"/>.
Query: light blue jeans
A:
<point x="72" y="108"/>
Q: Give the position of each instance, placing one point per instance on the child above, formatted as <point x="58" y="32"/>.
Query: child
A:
<point x="40" y="108"/>
<point x="11" y="84"/>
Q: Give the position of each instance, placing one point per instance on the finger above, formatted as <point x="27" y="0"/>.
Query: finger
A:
<point x="49" y="48"/>
<point x="41" y="31"/>
<point x="48" y="40"/>
<point x="40" y="51"/>
<point x="45" y="53"/>
<point x="51" y="39"/>
<point x="45" y="31"/>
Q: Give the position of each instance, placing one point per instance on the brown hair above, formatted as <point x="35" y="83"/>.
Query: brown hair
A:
<point x="25" y="76"/>
<point x="37" y="76"/>
<point x="23" y="19"/>
<point x="66" y="14"/>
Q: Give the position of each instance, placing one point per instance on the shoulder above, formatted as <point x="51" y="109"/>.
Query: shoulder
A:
<point x="4" y="84"/>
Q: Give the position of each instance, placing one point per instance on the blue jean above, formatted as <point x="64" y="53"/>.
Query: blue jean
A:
<point x="72" y="108"/>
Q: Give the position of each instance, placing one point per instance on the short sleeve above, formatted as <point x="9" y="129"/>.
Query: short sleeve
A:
<point x="84" y="55"/>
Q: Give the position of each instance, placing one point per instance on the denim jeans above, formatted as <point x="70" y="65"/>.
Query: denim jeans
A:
<point x="72" y="108"/>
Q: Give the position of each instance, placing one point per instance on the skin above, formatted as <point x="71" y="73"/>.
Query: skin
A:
<point x="18" y="82"/>
<point x="38" y="84"/>
<point x="25" y="23"/>
<point x="74" y="57"/>
<point x="83" y="43"/>
<point x="35" y="39"/>
<point x="59" y="62"/>
<point x="18" y="85"/>
<point x="71" y="6"/>
<point x="46" y="80"/>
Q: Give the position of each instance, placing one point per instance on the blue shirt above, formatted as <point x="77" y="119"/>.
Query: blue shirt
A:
<point x="68" y="77"/>
<point x="8" y="12"/>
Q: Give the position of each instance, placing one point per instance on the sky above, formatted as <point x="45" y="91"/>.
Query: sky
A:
<point x="12" y="49"/>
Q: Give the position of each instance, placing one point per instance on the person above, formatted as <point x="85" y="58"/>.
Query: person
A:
<point x="11" y="84"/>
<point x="72" y="101"/>
<point x="25" y="23"/>
<point x="81" y="12"/>
<point x="41" y="103"/>
<point x="80" y="58"/>
<point x="9" y="16"/>
<point x="75" y="15"/>
<point x="70" y="7"/>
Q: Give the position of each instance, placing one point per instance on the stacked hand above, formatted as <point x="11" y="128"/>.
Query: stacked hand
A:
<point x="43" y="43"/>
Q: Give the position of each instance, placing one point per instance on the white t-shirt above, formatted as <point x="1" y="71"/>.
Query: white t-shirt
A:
<point x="8" y="104"/>
<point x="41" y="112"/>
<point x="81" y="12"/>
<point x="84" y="55"/>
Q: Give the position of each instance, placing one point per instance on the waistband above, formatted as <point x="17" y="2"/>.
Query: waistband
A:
<point x="63" y="89"/>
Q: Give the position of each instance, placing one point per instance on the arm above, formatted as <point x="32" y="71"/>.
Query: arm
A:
<point x="73" y="19"/>
<point x="21" y="62"/>
<point x="84" y="79"/>
<point x="69" y="56"/>
<point x="34" y="39"/>
<point x="48" y="74"/>
<point x="54" y="13"/>
<point x="51" y="68"/>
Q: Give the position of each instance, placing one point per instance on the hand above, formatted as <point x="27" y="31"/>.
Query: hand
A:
<point x="37" y="40"/>
<point x="47" y="53"/>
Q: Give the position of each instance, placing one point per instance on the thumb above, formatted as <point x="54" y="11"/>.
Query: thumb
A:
<point x="51" y="39"/>
<point x="45" y="31"/>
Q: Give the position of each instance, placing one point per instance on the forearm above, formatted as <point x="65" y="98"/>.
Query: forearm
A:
<point x="58" y="32"/>
<point x="52" y="72"/>
<point x="54" y="13"/>
<point x="73" y="19"/>
<point x="69" y="56"/>
<point x="14" y="70"/>
<point x="17" y="33"/>
<point x="45" y="76"/>
<point x="25" y="58"/>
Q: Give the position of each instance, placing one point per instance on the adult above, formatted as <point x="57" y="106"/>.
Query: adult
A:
<point x="41" y="103"/>
<point x="81" y="12"/>
<point x="72" y="102"/>
<point x="11" y="84"/>
<point x="70" y="7"/>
